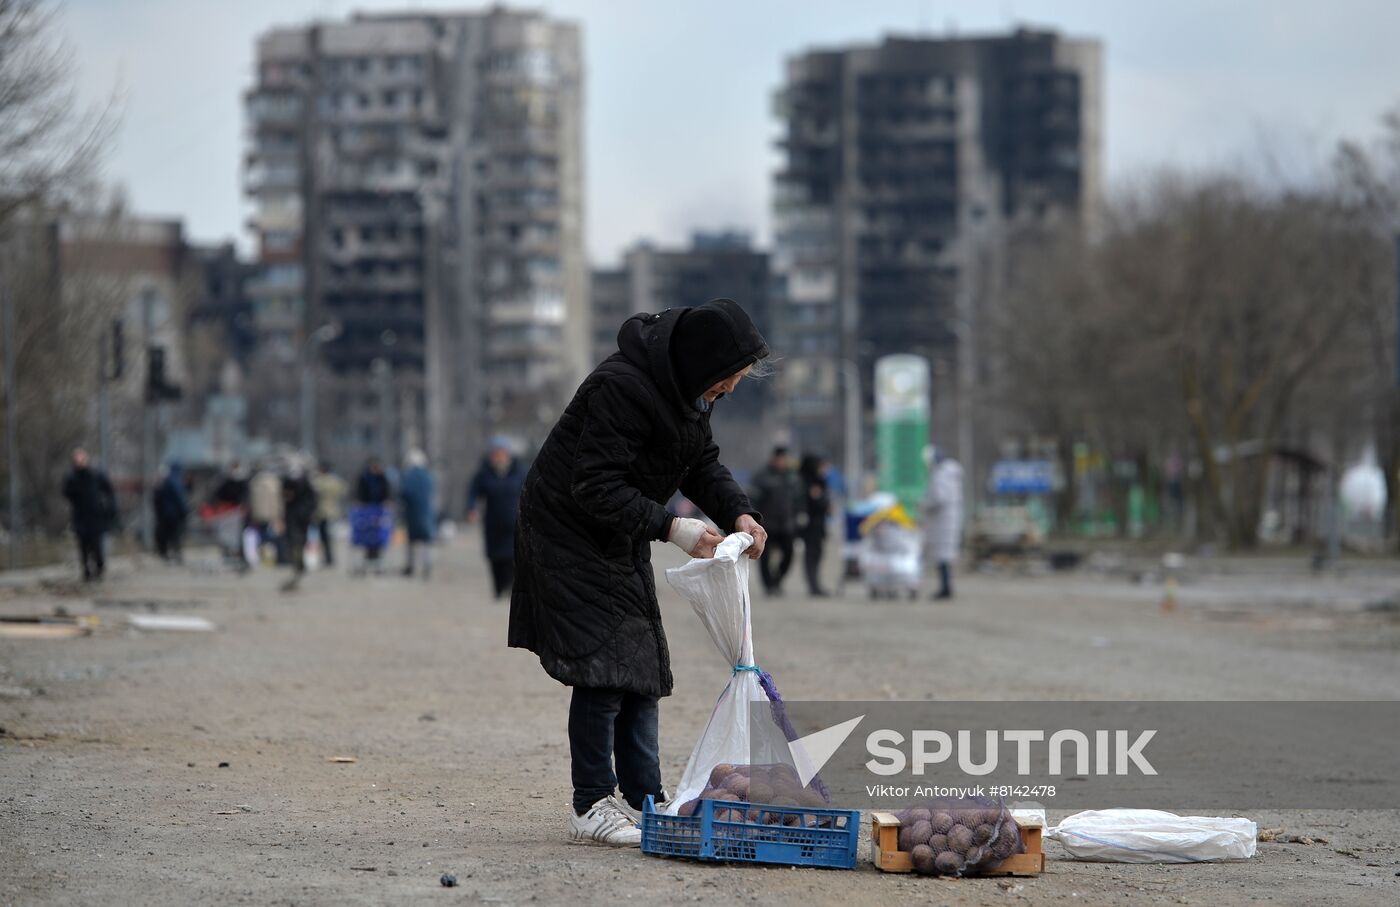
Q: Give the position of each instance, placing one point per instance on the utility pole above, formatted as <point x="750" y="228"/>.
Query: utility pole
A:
<point x="11" y="437"/>
<point x="309" y="351"/>
<point x="383" y="374"/>
<point x="850" y="385"/>
<point x="308" y="410"/>
<point x="148" y="427"/>
<point x="102" y="371"/>
<point x="111" y="365"/>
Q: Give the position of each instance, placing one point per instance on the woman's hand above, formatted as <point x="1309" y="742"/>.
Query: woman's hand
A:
<point x="747" y="523"/>
<point x="709" y="541"/>
<point x="694" y="537"/>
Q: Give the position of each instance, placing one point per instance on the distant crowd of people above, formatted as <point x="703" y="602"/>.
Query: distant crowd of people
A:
<point x="795" y="501"/>
<point x="284" y="504"/>
<point x="285" y="507"/>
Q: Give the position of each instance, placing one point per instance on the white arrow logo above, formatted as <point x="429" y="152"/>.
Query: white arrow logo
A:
<point x="810" y="753"/>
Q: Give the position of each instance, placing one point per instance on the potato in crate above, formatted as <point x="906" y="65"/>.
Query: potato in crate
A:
<point x="739" y="831"/>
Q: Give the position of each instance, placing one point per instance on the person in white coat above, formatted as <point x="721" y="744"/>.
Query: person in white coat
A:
<point x="943" y="517"/>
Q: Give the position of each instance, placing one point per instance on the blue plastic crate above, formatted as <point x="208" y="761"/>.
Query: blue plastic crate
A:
<point x="789" y="835"/>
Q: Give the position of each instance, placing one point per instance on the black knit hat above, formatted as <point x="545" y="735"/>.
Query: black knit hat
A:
<point x="711" y="342"/>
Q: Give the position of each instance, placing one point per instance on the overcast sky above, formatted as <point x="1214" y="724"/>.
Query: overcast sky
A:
<point x="678" y="98"/>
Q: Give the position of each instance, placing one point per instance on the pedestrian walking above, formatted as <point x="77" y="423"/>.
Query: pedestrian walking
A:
<point x="816" y="508"/>
<point x="226" y="513"/>
<point x="371" y="522"/>
<point x="417" y="497"/>
<point x="493" y="499"/>
<point x="232" y="490"/>
<point x="330" y="506"/>
<point x="299" y="509"/>
<point x="778" y="494"/>
<point x="92" y="513"/>
<point x="266" y="510"/>
<point x="171" y="505"/>
<point x="943" y="516"/>
<point x="584" y="599"/>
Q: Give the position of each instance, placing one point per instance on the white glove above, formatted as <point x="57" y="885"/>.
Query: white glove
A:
<point x="686" y="533"/>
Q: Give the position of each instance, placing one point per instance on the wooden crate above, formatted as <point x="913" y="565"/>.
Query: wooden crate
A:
<point x="886" y="855"/>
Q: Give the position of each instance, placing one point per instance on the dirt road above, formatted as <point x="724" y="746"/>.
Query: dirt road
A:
<point x="114" y="788"/>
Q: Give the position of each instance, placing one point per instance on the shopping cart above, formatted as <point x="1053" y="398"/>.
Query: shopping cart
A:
<point x="224" y="523"/>
<point x="371" y="530"/>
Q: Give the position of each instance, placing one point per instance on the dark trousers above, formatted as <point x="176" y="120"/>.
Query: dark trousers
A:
<point x="90" y="555"/>
<point x="410" y="564"/>
<point x="607" y="727"/>
<point x="776" y="560"/>
<point x="502" y="574"/>
<point x="323" y="528"/>
<point x="945" y="579"/>
<point x="169" y="534"/>
<point x="296" y="546"/>
<point x="812" y="544"/>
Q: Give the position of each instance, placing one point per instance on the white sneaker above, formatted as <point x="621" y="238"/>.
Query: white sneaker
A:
<point x="633" y="816"/>
<point x="606" y="822"/>
<point x="636" y="814"/>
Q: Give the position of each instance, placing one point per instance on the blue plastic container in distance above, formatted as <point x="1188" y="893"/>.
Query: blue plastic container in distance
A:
<point x="721" y="831"/>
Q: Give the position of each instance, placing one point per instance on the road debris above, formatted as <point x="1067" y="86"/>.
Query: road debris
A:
<point x="1276" y="836"/>
<point x="46" y="627"/>
<point x="448" y="880"/>
<point x="342" y="759"/>
<point x="179" y="622"/>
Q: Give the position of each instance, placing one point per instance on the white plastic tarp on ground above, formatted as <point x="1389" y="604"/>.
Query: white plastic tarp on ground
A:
<point x="1154" y="836"/>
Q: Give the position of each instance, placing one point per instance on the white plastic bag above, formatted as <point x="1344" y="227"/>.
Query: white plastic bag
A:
<point x="1154" y="836"/>
<point x="718" y="591"/>
<point x="252" y="544"/>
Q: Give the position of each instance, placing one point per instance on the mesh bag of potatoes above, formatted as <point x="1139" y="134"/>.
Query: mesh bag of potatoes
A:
<point x="776" y="784"/>
<point x="958" y="836"/>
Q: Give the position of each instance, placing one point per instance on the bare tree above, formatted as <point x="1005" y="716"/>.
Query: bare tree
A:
<point x="1199" y="317"/>
<point x="61" y="306"/>
<point x="49" y="151"/>
<point x="1368" y="180"/>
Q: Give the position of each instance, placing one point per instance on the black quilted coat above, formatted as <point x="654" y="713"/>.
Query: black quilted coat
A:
<point x="584" y="598"/>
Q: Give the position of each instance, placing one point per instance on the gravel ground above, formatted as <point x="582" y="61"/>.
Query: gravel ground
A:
<point x="177" y="768"/>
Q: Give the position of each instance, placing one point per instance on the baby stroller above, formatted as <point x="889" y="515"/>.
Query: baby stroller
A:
<point x="371" y="529"/>
<point x="891" y="553"/>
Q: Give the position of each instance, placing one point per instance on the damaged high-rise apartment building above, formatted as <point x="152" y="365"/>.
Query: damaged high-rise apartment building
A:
<point x="417" y="184"/>
<point x="910" y="168"/>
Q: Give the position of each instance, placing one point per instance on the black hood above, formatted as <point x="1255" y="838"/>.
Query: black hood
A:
<point x="687" y="350"/>
<point x="712" y="342"/>
<point x="646" y="342"/>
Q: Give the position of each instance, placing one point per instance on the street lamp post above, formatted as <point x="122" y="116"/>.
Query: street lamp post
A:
<point x="965" y="364"/>
<point x="11" y="436"/>
<point x="383" y="374"/>
<point x="323" y="334"/>
<point x="850" y="386"/>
